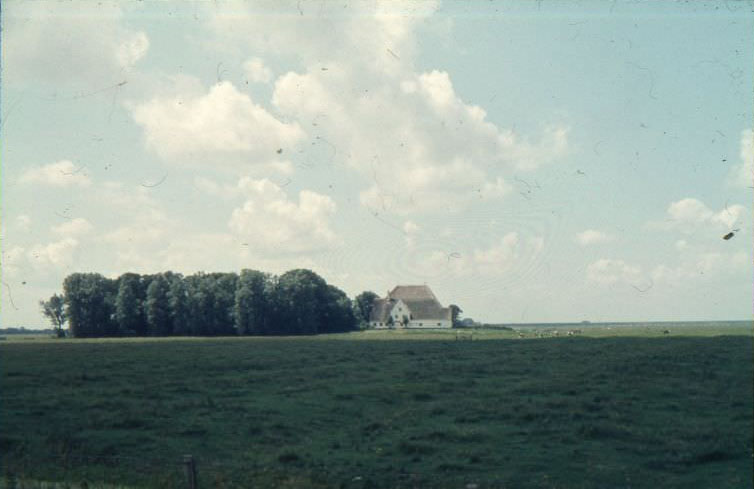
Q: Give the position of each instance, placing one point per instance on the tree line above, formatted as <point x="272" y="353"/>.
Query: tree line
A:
<point x="298" y="302"/>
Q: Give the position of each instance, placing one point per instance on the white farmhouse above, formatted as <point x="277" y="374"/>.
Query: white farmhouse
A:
<point x="410" y="306"/>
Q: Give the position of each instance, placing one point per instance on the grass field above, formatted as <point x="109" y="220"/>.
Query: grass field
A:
<point x="385" y="409"/>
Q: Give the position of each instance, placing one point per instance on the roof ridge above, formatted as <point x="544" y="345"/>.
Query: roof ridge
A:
<point x="425" y="288"/>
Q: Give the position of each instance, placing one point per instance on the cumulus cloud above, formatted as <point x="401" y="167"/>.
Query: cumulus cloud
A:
<point x="689" y="214"/>
<point x="510" y="256"/>
<point x="221" y="190"/>
<point x="74" y="227"/>
<point x="743" y="175"/>
<point x="702" y="264"/>
<point x="689" y="210"/>
<point x="13" y="259"/>
<point x="499" y="256"/>
<point x="256" y="71"/>
<point x="421" y="147"/>
<point x="376" y="35"/>
<point x="270" y="222"/>
<point x="68" y="43"/>
<point x="63" y="173"/>
<point x="220" y="127"/>
<point x="607" y="271"/>
<point x="57" y="254"/>
<point x="593" y="237"/>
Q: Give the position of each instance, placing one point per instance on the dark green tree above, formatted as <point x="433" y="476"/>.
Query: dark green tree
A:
<point x="362" y="306"/>
<point x="54" y="310"/>
<point x="223" y="290"/>
<point x="251" y="303"/>
<point x="297" y="297"/>
<point x="157" y="307"/>
<point x="336" y="311"/>
<point x="129" y="310"/>
<point x="455" y="313"/>
<point x="178" y="306"/>
<point x="200" y="304"/>
<point x="298" y="302"/>
<point x="89" y="300"/>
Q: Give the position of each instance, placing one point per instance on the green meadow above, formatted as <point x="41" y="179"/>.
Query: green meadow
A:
<point x="613" y="406"/>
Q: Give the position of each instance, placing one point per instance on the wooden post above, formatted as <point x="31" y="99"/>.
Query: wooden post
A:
<point x="190" y="468"/>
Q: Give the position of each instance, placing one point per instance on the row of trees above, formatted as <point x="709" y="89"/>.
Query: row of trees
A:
<point x="205" y="304"/>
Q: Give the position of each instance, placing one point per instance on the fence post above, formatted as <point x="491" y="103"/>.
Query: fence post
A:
<point x="190" y="468"/>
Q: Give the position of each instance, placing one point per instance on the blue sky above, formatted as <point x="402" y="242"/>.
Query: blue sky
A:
<point x="544" y="161"/>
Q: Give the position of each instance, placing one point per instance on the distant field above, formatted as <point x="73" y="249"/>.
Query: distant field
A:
<point x="363" y="410"/>
<point x="528" y="330"/>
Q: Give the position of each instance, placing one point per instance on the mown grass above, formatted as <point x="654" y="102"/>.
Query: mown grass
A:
<point x="350" y="411"/>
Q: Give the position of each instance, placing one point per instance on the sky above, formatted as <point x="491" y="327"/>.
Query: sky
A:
<point x="529" y="161"/>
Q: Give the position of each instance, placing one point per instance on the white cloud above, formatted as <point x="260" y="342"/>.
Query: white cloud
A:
<point x="73" y="227"/>
<point x="528" y="156"/>
<point x="256" y="71"/>
<point x="592" y="237"/>
<point x="743" y="174"/>
<point x="68" y="43"/>
<point x="132" y="49"/>
<point x="411" y="229"/>
<point x="511" y="257"/>
<point x="139" y="227"/>
<point x="729" y="216"/>
<point x="57" y="254"/>
<point x="221" y="127"/>
<point x="138" y="245"/>
<point x="702" y="264"/>
<point x="606" y="271"/>
<point x="689" y="211"/>
<point x="270" y="223"/>
<point x="376" y="36"/>
<point x="689" y="214"/>
<point x="419" y="145"/>
<point x="124" y="199"/>
<point x="499" y="256"/>
<point x="12" y="260"/>
<point x="63" y="173"/>
<point x="210" y="187"/>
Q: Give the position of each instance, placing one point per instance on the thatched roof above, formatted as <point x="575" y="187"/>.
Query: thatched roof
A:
<point x="412" y="293"/>
<point x="381" y="310"/>
<point x="419" y="299"/>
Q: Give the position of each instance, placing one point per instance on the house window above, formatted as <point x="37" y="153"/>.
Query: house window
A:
<point x="438" y="324"/>
<point x="420" y="324"/>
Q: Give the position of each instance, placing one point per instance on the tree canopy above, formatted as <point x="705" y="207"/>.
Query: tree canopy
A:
<point x="53" y="309"/>
<point x="362" y="307"/>
<point x="297" y="302"/>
